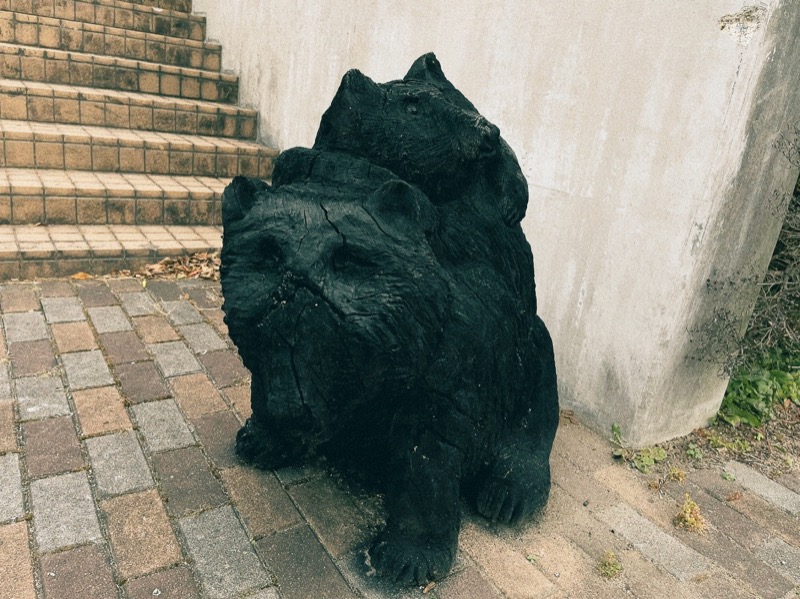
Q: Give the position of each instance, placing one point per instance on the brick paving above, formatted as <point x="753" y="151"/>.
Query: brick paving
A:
<point x="118" y="479"/>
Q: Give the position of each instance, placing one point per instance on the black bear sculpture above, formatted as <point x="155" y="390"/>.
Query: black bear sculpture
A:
<point x="381" y="293"/>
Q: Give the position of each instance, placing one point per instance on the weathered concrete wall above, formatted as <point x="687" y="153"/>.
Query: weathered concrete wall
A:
<point x="645" y="129"/>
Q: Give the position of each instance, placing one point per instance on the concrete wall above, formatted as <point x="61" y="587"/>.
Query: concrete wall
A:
<point x="645" y="129"/>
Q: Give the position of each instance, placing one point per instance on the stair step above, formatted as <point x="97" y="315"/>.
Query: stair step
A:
<point x="43" y="196"/>
<point x="75" y="36"/>
<point x="86" y="148"/>
<point x="77" y="68"/>
<point x="32" y="252"/>
<point x="55" y="103"/>
<point x="179" y="5"/>
<point x="115" y="13"/>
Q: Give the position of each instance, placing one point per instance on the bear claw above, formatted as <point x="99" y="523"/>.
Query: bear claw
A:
<point x="408" y="563"/>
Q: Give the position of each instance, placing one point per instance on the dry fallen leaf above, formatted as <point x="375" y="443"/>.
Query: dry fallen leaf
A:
<point x="81" y="276"/>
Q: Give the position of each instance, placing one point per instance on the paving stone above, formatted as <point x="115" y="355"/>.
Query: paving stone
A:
<point x="80" y="572"/>
<point x="15" y="562"/>
<point x="100" y="411"/>
<point x="95" y="294"/>
<point x="175" y="583"/>
<point x="302" y="567"/>
<point x="217" y="433"/>
<point x="331" y="512"/>
<point x="154" y="329"/>
<point x="141" y="382"/>
<point x="109" y="319"/>
<point x="125" y="285"/>
<point x="86" y="369"/>
<point x="11" y="506"/>
<point x="55" y="288"/>
<point x="782" y="557"/>
<point x="5" y="383"/>
<point x="51" y="446"/>
<point x="8" y="433"/>
<point x="18" y="298"/>
<point x="467" y="584"/>
<point x="202" y="338"/>
<point x="186" y="480"/>
<point x="118" y="463"/>
<point x="163" y="425"/>
<point x="3" y="348"/>
<point x="775" y="493"/>
<point x="141" y="537"/>
<point x="217" y="318"/>
<point x="123" y="347"/>
<point x="138" y="304"/>
<point x="181" y="313"/>
<point x="204" y="297"/>
<point x="224" y="560"/>
<point x="63" y="511"/>
<point x="166" y="291"/>
<point x="24" y="326"/>
<point x="41" y="397"/>
<point x="239" y="397"/>
<point x="511" y="571"/>
<point x="260" y="499"/>
<point x="73" y="336"/>
<point x="62" y="309"/>
<point x="196" y="394"/>
<point x="174" y="358"/>
<point x="672" y="555"/>
<point x="225" y="367"/>
<point x="32" y="357"/>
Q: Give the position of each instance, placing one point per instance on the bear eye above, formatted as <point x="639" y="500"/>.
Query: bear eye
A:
<point x="346" y="258"/>
<point x="411" y="104"/>
<point x="269" y="253"/>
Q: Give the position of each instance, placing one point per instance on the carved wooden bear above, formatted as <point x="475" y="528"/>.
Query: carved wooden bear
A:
<point x="386" y="311"/>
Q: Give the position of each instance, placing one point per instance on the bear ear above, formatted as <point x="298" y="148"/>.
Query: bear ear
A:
<point x="339" y="126"/>
<point x="426" y="68"/>
<point x="239" y="197"/>
<point x="404" y="206"/>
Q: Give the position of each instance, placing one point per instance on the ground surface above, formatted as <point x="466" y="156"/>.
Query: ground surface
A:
<point x="119" y="402"/>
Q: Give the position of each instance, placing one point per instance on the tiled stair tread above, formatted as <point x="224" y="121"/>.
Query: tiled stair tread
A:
<point x="108" y="72"/>
<point x="56" y="182"/>
<point x="69" y="35"/>
<point x="179" y="5"/>
<point x="53" y="102"/>
<point x="94" y="247"/>
<point x="86" y="57"/>
<point x="114" y="12"/>
<point x="66" y="133"/>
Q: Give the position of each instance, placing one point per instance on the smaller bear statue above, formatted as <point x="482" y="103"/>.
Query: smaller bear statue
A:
<point x="381" y="293"/>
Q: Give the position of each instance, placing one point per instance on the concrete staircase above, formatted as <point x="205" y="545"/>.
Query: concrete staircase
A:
<point x="118" y="133"/>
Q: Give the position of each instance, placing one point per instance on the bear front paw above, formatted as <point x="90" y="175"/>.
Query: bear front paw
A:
<point x="264" y="449"/>
<point x="408" y="562"/>
<point x="508" y="502"/>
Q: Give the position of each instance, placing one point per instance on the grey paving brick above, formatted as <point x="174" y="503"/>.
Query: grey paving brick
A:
<point x="138" y="304"/>
<point x="41" y="397"/>
<point x="24" y="326"/>
<point x="224" y="560"/>
<point x="163" y="425"/>
<point x="174" y="358"/>
<point x="109" y="319"/>
<point x="86" y="369"/>
<point x="64" y="512"/>
<point x="775" y="493"/>
<point x="62" y="309"/>
<point x="672" y="555"/>
<point x="118" y="463"/>
<point x="181" y="312"/>
<point x="302" y="566"/>
<point x="782" y="557"/>
<point x="202" y="337"/>
<point x="5" y="384"/>
<point x="11" y="506"/>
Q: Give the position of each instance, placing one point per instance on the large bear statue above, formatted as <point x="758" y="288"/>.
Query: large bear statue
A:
<point x="380" y="291"/>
